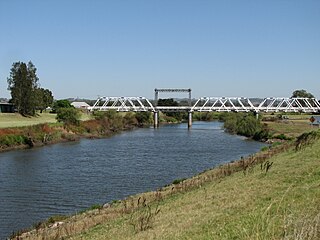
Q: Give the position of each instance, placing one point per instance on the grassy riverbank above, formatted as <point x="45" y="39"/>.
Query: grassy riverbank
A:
<point x="272" y="195"/>
<point x="45" y="129"/>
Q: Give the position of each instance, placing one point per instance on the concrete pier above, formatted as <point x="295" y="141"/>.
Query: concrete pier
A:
<point x="189" y="119"/>
<point x="155" y="119"/>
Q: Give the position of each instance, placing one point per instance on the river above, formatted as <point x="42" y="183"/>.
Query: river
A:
<point x="65" y="178"/>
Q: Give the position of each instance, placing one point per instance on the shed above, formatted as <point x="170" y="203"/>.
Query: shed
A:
<point x="6" y="107"/>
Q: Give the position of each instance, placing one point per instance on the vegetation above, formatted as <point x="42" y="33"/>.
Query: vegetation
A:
<point x="69" y="116"/>
<point x="206" y="116"/>
<point x="302" y="93"/>
<point x="70" y="128"/>
<point x="64" y="103"/>
<point x="44" y="98"/>
<point x="172" y="116"/>
<point x="25" y="92"/>
<point x="245" y="124"/>
<point x="291" y="126"/>
<point x="9" y="120"/>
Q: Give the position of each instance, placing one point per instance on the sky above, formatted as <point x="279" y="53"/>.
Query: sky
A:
<point x="86" y="49"/>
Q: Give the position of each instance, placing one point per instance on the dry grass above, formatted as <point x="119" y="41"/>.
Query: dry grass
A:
<point x="292" y="127"/>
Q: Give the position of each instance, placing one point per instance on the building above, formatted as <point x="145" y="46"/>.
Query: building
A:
<point x="7" y="108"/>
<point x="81" y="105"/>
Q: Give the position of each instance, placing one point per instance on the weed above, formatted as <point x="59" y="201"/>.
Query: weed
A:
<point x="306" y="139"/>
<point x="266" y="166"/>
<point x="143" y="218"/>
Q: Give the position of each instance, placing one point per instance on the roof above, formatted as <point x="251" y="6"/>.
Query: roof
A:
<point x="80" y="104"/>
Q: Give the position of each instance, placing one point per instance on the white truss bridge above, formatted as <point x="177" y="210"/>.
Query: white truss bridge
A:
<point x="210" y="104"/>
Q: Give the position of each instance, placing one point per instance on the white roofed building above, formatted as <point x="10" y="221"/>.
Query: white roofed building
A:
<point x="81" y="105"/>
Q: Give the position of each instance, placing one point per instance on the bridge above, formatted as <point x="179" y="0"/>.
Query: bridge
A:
<point x="207" y="104"/>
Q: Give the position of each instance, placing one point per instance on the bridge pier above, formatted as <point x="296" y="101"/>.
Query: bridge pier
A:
<point x="189" y="119"/>
<point x="155" y="119"/>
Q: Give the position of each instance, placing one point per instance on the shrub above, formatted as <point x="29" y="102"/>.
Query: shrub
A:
<point x="69" y="116"/>
<point x="143" y="118"/>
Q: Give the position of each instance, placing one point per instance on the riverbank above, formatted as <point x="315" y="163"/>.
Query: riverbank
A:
<point x="272" y="195"/>
<point x="102" y="125"/>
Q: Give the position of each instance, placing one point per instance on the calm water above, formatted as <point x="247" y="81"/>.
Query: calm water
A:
<point x="65" y="178"/>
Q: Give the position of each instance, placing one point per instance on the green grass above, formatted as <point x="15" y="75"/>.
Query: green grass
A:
<point x="17" y="120"/>
<point x="283" y="203"/>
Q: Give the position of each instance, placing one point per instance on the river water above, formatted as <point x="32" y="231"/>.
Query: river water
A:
<point x="65" y="178"/>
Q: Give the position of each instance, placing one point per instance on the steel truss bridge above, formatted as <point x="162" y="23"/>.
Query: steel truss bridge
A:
<point x="210" y="104"/>
<point x="206" y="104"/>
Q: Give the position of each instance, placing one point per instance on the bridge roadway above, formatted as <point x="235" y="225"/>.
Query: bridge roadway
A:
<point x="209" y="104"/>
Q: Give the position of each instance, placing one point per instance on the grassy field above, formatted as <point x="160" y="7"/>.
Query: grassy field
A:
<point x="16" y="120"/>
<point x="292" y="126"/>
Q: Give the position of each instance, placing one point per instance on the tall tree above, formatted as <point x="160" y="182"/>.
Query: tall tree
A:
<point x="44" y="98"/>
<point x="22" y="83"/>
<point x="302" y="93"/>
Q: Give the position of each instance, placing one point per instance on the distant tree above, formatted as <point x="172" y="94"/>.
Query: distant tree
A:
<point x="69" y="116"/>
<point x="171" y="102"/>
<point x="167" y="102"/>
<point x="22" y="83"/>
<point x="44" y="98"/>
<point x="301" y="93"/>
<point x="61" y="104"/>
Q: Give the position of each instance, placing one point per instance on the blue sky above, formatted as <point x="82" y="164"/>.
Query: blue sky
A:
<point x="85" y="48"/>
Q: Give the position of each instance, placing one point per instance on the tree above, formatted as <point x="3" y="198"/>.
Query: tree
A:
<point x="301" y="94"/>
<point x="22" y="83"/>
<point x="61" y="104"/>
<point x="171" y="102"/>
<point x="44" y="98"/>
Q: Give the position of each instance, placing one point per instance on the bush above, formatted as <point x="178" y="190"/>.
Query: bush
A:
<point x="69" y="116"/>
<point x="143" y="118"/>
<point x="245" y="124"/>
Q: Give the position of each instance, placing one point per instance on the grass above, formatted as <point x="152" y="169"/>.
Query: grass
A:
<point x="251" y="203"/>
<point x="16" y="120"/>
<point x="8" y="120"/>
<point x="281" y="204"/>
<point x="293" y="126"/>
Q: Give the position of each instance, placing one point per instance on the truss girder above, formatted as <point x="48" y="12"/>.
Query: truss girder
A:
<point x="222" y="104"/>
<point x="123" y="104"/>
<point x="210" y="104"/>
